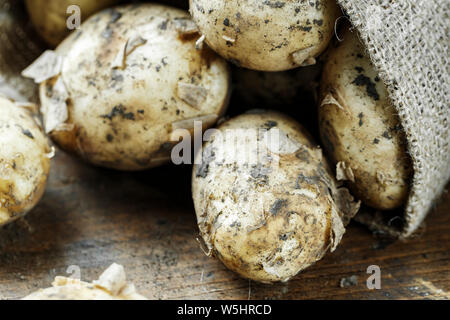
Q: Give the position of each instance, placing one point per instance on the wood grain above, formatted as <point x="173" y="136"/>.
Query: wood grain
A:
<point x="92" y="217"/>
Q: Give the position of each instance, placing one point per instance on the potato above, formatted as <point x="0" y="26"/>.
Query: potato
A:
<point x="24" y="161"/>
<point x="50" y="16"/>
<point x="266" y="35"/>
<point x="267" y="210"/>
<point x="119" y="89"/>
<point x="111" y="285"/>
<point x="360" y="128"/>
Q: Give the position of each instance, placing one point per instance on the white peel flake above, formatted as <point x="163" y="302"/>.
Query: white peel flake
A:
<point x="306" y="193"/>
<point x="303" y="57"/>
<point x="229" y="39"/>
<point x="337" y="230"/>
<point x="133" y="43"/>
<point x="185" y="26"/>
<point x="47" y="66"/>
<point x="112" y="279"/>
<point x="270" y="269"/>
<point x="278" y="142"/>
<point x="192" y="94"/>
<point x="199" y="42"/>
<point x="120" y="61"/>
<point x="56" y="111"/>
<point x="346" y="204"/>
<point x="343" y="172"/>
<point x="52" y="153"/>
<point x="330" y="99"/>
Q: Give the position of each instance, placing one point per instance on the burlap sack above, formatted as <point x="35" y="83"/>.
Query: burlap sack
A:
<point x="407" y="41"/>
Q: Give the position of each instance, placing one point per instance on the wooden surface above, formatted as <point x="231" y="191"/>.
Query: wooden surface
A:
<point x="92" y="217"/>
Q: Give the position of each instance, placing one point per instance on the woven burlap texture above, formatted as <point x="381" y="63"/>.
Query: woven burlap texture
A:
<point x="407" y="41"/>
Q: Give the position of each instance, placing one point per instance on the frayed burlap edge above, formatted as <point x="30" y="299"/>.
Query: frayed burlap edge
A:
<point x="407" y="40"/>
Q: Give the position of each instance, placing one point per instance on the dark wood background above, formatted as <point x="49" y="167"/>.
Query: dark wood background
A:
<point x="92" y="217"/>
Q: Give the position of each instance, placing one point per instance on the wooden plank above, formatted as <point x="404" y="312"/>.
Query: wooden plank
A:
<point x="91" y="217"/>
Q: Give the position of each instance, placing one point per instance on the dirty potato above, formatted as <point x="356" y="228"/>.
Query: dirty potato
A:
<point x="266" y="203"/>
<point x="111" y="285"/>
<point x="360" y="128"/>
<point x="50" y="16"/>
<point x="266" y="35"/>
<point x="24" y="161"/>
<point x="117" y="91"/>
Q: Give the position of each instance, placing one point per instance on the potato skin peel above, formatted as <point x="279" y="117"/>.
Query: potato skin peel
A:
<point x="122" y="73"/>
<point x="266" y="35"/>
<point x="360" y="129"/>
<point x="24" y="161"/>
<point x="50" y="16"/>
<point x="263" y="221"/>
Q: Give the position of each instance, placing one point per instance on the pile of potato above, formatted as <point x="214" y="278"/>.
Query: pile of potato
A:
<point x="133" y="81"/>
